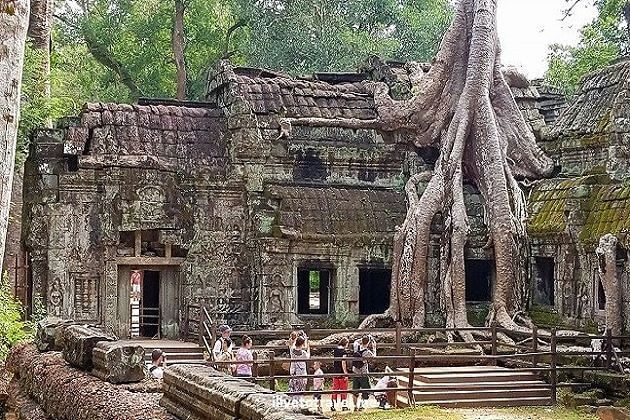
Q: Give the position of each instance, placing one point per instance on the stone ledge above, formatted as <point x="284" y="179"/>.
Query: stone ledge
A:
<point x="196" y="392"/>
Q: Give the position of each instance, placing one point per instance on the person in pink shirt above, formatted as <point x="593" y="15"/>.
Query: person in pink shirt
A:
<point x="244" y="354"/>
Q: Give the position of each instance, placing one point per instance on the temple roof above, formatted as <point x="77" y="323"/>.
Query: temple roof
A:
<point x="600" y="104"/>
<point x="593" y="204"/>
<point x="273" y="93"/>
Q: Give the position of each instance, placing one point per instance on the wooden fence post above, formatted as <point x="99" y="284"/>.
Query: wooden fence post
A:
<point x="494" y="343"/>
<point x="609" y="348"/>
<point x="554" y="372"/>
<point x="255" y="367"/>
<point x="535" y="345"/>
<point x="398" y="338"/>
<point x="412" y="367"/>
<point x="272" y="379"/>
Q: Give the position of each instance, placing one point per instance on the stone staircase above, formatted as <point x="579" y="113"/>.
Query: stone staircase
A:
<point x="177" y="352"/>
<point x="475" y="386"/>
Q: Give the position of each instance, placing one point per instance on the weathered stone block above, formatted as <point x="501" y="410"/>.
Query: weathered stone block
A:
<point x="49" y="334"/>
<point x="79" y="341"/>
<point x="118" y="363"/>
<point x="200" y="392"/>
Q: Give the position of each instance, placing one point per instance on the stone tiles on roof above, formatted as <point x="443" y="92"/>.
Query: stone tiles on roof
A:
<point x="595" y="204"/>
<point x="601" y="100"/>
<point x="273" y="93"/>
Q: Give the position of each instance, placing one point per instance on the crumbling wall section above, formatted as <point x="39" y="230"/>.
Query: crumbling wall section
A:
<point x="63" y="392"/>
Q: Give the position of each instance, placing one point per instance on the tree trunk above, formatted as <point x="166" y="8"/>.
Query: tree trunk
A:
<point x="607" y="254"/>
<point x="39" y="30"/>
<point x="13" y="27"/>
<point x="178" y="49"/>
<point x="465" y="107"/>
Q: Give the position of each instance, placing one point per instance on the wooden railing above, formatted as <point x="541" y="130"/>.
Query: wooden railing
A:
<point x="207" y="333"/>
<point x="527" y="355"/>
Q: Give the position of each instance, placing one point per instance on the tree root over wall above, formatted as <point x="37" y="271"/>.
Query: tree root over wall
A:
<point x="45" y="381"/>
<point x="463" y="106"/>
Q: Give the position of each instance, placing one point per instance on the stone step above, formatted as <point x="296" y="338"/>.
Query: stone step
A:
<point x="480" y="394"/>
<point x="486" y="402"/>
<point x="474" y="377"/>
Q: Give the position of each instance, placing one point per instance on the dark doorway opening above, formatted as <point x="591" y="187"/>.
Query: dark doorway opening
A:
<point x="601" y="296"/>
<point x="374" y="290"/>
<point x="313" y="291"/>
<point x="150" y="304"/>
<point x="479" y="274"/>
<point x="544" y="286"/>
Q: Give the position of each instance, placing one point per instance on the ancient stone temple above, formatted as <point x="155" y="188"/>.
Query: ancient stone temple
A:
<point x="274" y="202"/>
<point x="590" y="143"/>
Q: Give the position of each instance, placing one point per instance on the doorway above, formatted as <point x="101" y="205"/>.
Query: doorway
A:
<point x="374" y="290"/>
<point x="479" y="275"/>
<point x="150" y="304"/>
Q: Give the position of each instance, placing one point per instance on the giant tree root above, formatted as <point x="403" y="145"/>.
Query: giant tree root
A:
<point x="465" y="108"/>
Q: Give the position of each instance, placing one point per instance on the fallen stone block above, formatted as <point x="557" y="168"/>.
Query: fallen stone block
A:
<point x="118" y="363"/>
<point x="200" y="392"/>
<point x="79" y="342"/>
<point x="49" y="333"/>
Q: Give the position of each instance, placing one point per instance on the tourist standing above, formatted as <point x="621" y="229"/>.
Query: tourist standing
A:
<point x="361" y="368"/>
<point x="299" y="354"/>
<point x="318" y="383"/>
<point x="245" y="356"/>
<point x="340" y="380"/>
<point x="222" y="350"/>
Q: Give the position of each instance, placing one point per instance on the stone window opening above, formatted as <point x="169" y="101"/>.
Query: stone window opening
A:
<point x="374" y="290"/>
<point x="479" y="275"/>
<point x="544" y="278"/>
<point x="313" y="291"/>
<point x="72" y="163"/>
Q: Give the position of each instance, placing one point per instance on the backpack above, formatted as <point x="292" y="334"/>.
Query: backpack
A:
<point x="358" y="363"/>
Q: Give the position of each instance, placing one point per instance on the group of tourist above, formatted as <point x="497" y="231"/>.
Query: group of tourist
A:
<point x="299" y="351"/>
<point x="364" y="348"/>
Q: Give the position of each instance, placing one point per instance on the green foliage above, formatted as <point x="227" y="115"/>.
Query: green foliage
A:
<point x="305" y="36"/>
<point x="12" y="328"/>
<point x="601" y="42"/>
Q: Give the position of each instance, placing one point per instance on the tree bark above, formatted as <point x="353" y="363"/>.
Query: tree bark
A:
<point x="607" y="254"/>
<point x="463" y="106"/>
<point x="13" y="28"/>
<point x="39" y="31"/>
<point x="178" y="49"/>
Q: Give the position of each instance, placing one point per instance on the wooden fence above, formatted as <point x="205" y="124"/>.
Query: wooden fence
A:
<point x="536" y="352"/>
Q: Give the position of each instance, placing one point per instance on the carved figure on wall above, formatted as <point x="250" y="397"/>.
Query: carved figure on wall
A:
<point x="151" y="199"/>
<point x="56" y="298"/>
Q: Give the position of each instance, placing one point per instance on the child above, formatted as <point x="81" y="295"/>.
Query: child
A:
<point x="318" y="384"/>
<point x="298" y="368"/>
<point x="386" y="397"/>
<point x="244" y="354"/>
